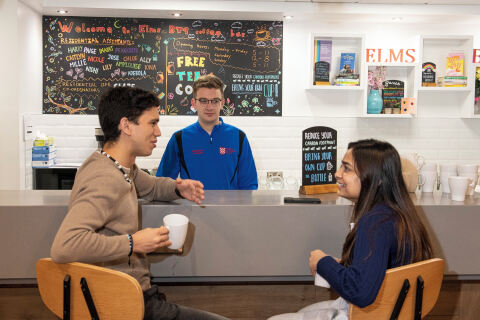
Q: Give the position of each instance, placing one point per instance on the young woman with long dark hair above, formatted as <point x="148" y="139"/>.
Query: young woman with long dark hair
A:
<point x="387" y="231"/>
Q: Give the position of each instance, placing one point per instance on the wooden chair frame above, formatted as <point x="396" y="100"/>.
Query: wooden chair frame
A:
<point x="83" y="291"/>
<point x="407" y="292"/>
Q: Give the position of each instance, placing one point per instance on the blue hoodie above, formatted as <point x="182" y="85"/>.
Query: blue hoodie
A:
<point x="211" y="159"/>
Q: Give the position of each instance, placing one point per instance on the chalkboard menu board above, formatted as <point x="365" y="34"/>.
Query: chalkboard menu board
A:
<point x="319" y="156"/>
<point x="82" y="56"/>
<point x="392" y="93"/>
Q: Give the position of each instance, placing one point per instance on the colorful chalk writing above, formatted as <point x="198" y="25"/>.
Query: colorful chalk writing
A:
<point x="319" y="156"/>
<point x="85" y="55"/>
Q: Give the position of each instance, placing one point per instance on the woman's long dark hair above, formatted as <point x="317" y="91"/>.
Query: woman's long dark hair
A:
<point x="379" y="168"/>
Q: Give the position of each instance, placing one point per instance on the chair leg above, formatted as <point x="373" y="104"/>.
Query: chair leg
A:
<point x="419" y="298"/>
<point x="66" y="297"/>
<point x="401" y="298"/>
<point x="89" y="300"/>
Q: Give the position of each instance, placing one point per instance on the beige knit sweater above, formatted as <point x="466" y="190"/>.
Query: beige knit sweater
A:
<point x="103" y="209"/>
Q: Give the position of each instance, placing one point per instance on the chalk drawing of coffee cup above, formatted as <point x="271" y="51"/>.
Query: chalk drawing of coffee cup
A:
<point x="159" y="77"/>
<point x="271" y="103"/>
<point x="170" y="68"/>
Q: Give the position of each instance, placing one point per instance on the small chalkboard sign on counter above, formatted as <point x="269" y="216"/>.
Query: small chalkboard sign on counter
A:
<point x="392" y="93"/>
<point x="82" y="56"/>
<point x="319" y="160"/>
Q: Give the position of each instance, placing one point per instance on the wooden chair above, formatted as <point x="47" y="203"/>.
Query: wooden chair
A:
<point x="407" y="292"/>
<point x="83" y="291"/>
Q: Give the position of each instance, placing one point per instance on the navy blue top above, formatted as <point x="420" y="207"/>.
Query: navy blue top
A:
<point x="211" y="158"/>
<point x="360" y="282"/>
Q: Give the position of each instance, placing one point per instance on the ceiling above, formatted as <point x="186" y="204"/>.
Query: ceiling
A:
<point x="431" y="2"/>
<point x="39" y="4"/>
<point x="465" y="10"/>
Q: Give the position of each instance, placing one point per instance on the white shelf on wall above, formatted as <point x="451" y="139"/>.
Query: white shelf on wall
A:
<point x="395" y="71"/>
<point x="444" y="89"/>
<point x="401" y="116"/>
<point x="340" y="43"/>
<point x="391" y="64"/>
<point x="435" y="48"/>
<point x="326" y="88"/>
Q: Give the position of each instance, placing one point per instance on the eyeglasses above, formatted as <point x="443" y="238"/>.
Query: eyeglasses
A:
<point x="204" y="102"/>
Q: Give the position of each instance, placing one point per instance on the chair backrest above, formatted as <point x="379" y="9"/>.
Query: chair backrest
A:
<point x="431" y="271"/>
<point x="116" y="295"/>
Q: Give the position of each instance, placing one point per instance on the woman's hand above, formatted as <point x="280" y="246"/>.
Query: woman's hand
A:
<point x="191" y="190"/>
<point x="315" y="256"/>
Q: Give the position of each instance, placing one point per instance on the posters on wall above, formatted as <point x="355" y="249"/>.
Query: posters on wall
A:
<point x="392" y="93"/>
<point x="429" y="70"/>
<point x="85" y="55"/>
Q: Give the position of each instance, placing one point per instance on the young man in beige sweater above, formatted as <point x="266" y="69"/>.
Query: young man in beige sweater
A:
<point x="101" y="226"/>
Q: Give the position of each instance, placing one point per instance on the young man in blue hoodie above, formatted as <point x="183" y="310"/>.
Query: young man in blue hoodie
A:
<point x="211" y="151"/>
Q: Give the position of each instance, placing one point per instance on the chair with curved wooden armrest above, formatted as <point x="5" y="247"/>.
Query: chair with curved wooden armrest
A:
<point x="83" y="291"/>
<point x="407" y="292"/>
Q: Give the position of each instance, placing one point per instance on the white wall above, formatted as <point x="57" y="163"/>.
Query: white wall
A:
<point x="30" y="82"/>
<point x="439" y="134"/>
<point x="10" y="148"/>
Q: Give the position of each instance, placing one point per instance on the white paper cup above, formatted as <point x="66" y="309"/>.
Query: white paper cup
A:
<point x="449" y="170"/>
<point x="458" y="187"/>
<point x="177" y="224"/>
<point x="430" y="180"/>
<point x="320" y="281"/>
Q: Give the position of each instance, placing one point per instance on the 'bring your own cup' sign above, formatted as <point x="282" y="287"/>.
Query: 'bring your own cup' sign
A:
<point x="319" y="156"/>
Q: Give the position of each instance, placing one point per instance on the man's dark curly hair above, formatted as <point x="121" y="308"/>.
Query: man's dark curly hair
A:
<point x="120" y="102"/>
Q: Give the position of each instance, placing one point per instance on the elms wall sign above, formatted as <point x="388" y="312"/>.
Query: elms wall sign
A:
<point x="378" y="55"/>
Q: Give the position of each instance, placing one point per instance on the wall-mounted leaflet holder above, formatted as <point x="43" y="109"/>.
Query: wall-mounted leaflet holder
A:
<point x="27" y="127"/>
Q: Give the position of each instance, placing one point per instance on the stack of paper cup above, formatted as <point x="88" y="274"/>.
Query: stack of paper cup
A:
<point x="470" y="171"/>
<point x="447" y="170"/>
<point x="429" y="174"/>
